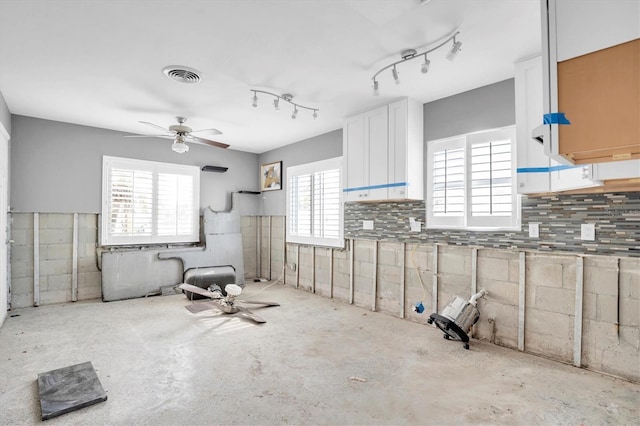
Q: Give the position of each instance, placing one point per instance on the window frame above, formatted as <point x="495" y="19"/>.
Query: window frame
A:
<point x="468" y="221"/>
<point x="306" y="169"/>
<point x="156" y="168"/>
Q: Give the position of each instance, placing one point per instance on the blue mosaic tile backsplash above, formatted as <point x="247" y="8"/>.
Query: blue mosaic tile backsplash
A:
<point x="616" y="217"/>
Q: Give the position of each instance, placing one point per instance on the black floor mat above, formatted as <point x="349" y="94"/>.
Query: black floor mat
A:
<point x="68" y="389"/>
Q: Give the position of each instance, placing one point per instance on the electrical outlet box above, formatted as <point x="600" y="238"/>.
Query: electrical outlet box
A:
<point x="414" y="225"/>
<point x="588" y="232"/>
<point x="534" y="230"/>
<point x="367" y="225"/>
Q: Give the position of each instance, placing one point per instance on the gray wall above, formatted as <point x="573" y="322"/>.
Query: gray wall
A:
<point x="483" y="108"/>
<point x="5" y="115"/>
<point x="328" y="145"/>
<point x="57" y="167"/>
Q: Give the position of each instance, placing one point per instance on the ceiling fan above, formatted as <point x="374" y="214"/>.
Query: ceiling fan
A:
<point x="181" y="134"/>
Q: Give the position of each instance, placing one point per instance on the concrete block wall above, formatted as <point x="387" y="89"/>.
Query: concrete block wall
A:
<point x="402" y="274"/>
<point x="55" y="235"/>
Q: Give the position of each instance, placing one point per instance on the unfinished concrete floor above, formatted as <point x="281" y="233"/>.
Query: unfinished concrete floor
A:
<point x="316" y="361"/>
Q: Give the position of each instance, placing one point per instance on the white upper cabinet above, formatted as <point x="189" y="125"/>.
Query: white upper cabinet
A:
<point x="587" y="26"/>
<point x="383" y="151"/>
<point x="405" y="150"/>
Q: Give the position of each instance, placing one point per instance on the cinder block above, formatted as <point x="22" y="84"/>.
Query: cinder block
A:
<point x="419" y="256"/>
<point x="589" y="306"/>
<point x="454" y="262"/>
<point x="56" y="220"/>
<point x="390" y="274"/>
<point x="59" y="282"/>
<point x="569" y="275"/>
<point x="608" y="308"/>
<point x="542" y="273"/>
<point x="22" y="237"/>
<point x="90" y="279"/>
<point x="493" y="269"/>
<point x="21" y="269"/>
<point x="362" y="285"/>
<point x="548" y="323"/>
<point x="89" y="293"/>
<point x="88" y="221"/>
<point x="56" y="251"/>
<point x="86" y="236"/>
<point x="502" y="292"/>
<point x="514" y="270"/>
<point x="22" y="253"/>
<point x="600" y="280"/>
<point x="21" y="286"/>
<point x="552" y="299"/>
<point x="56" y="236"/>
<point x="55" y="267"/>
<point x="630" y="278"/>
<point x="363" y="269"/>
<point x="363" y="251"/>
<point x="55" y="296"/>
<point x="630" y="312"/>
<point x="21" y="300"/>
<point x="21" y="221"/>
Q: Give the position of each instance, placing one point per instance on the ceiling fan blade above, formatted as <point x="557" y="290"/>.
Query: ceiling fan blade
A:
<point x="156" y="126"/>
<point x="150" y="136"/>
<point x="207" y="141"/>
<point x="255" y="302"/>
<point x="196" y="308"/>
<point x="214" y="131"/>
<point x="251" y="315"/>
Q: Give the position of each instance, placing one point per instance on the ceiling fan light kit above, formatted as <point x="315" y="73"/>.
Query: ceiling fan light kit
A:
<point x="409" y="54"/>
<point x="285" y="97"/>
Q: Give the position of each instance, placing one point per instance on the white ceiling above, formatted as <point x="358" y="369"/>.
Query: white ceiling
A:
<point x="99" y="63"/>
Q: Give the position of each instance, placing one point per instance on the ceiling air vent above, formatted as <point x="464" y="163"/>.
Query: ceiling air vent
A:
<point x="183" y="74"/>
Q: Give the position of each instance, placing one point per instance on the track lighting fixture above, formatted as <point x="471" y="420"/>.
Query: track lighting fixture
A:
<point x="409" y="54"/>
<point x="287" y="98"/>
<point x="454" y="49"/>
<point x="425" y="65"/>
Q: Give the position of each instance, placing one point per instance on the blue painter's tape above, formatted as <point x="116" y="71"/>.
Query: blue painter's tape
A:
<point x="545" y="169"/>
<point x="365" y="188"/>
<point x="555" y="118"/>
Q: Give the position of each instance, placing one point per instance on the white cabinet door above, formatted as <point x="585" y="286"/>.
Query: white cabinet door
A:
<point x="356" y="152"/>
<point x="532" y="163"/>
<point x="376" y="133"/>
<point x="587" y="26"/>
<point x="406" y="150"/>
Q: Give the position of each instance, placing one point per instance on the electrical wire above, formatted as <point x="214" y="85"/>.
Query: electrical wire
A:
<point x="413" y="263"/>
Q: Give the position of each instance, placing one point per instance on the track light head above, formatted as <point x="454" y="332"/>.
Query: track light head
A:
<point x="295" y="113"/>
<point x="425" y="65"/>
<point x="454" y="50"/>
<point x="276" y="104"/>
<point x="315" y="114"/>
<point x="255" y="100"/>
<point x="394" y="72"/>
<point x="376" y="92"/>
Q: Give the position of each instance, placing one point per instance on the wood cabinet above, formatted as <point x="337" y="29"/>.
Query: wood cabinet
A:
<point x="590" y="71"/>
<point x="600" y="94"/>
<point x="383" y="150"/>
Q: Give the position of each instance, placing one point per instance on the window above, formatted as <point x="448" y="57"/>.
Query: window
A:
<point x="471" y="181"/>
<point x="314" y="206"/>
<point x="146" y="202"/>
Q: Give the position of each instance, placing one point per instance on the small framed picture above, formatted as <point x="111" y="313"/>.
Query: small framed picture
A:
<point x="271" y="176"/>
